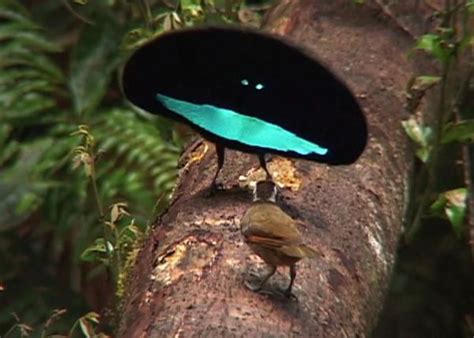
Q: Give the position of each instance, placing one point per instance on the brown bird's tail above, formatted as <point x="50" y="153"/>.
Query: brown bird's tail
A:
<point x="308" y="252"/>
<point x="298" y="251"/>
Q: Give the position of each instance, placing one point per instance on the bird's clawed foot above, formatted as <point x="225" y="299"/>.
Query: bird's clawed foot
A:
<point x="288" y="294"/>
<point x="253" y="287"/>
<point x="213" y="189"/>
<point x="258" y="288"/>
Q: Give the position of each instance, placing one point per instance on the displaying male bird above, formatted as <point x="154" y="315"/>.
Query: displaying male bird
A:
<point x="272" y="234"/>
<point x="247" y="90"/>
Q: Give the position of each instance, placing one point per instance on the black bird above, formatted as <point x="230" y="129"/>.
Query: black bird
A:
<point x="247" y="90"/>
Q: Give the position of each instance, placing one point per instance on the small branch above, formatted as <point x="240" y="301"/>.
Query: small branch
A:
<point x="71" y="10"/>
<point x="169" y="5"/>
<point x="97" y="197"/>
<point x="386" y="11"/>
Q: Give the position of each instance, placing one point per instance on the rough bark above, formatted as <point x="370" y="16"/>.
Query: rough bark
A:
<point x="188" y="280"/>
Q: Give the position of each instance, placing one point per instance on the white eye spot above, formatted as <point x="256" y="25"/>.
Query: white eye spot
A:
<point x="259" y="86"/>
<point x="244" y="82"/>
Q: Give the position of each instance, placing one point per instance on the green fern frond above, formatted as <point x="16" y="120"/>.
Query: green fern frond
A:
<point x="139" y="159"/>
<point x="28" y="76"/>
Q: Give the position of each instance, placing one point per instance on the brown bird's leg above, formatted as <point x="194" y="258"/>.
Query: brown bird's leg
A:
<point x="264" y="280"/>
<point x="220" y="151"/>
<point x="292" y="276"/>
<point x="263" y="164"/>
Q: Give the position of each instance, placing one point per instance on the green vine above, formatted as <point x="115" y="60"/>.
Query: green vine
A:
<point x="453" y="41"/>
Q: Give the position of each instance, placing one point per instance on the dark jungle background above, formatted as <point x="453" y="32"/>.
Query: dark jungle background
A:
<point x="83" y="175"/>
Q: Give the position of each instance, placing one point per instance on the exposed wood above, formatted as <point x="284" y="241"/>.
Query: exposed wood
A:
<point x="189" y="278"/>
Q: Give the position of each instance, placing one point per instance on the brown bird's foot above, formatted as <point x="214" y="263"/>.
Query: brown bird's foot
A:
<point x="213" y="189"/>
<point x="292" y="280"/>
<point x="260" y="284"/>
<point x="258" y="288"/>
<point x="253" y="287"/>
<point x="288" y="294"/>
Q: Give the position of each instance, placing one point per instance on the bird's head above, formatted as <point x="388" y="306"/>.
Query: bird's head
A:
<point x="265" y="191"/>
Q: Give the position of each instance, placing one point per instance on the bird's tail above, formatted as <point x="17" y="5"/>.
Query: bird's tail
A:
<point x="298" y="251"/>
<point x="308" y="252"/>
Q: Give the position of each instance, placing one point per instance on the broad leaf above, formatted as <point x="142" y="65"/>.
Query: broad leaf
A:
<point x="420" y="135"/>
<point x="459" y="132"/>
<point x="425" y="82"/>
<point x="470" y="5"/>
<point x="435" y="45"/>
<point x="97" y="251"/>
<point x="453" y="204"/>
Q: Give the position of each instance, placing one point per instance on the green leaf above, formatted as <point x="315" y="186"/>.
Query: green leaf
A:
<point x="421" y="135"/>
<point x="8" y="98"/>
<point x="9" y="76"/>
<point x="12" y="54"/>
<point x="12" y="10"/>
<point x="423" y="154"/>
<point x="20" y="111"/>
<point x="459" y="132"/>
<point x="28" y="203"/>
<point x="427" y="42"/>
<point x="97" y="251"/>
<point x="456" y="208"/>
<point x="192" y="13"/>
<point x="453" y="204"/>
<point x="185" y="4"/>
<point x="418" y="133"/>
<point x="425" y="82"/>
<point x="433" y="44"/>
<point x="470" y="6"/>
<point x="96" y="56"/>
<point x="27" y="36"/>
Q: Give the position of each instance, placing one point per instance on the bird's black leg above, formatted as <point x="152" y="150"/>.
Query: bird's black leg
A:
<point x="263" y="164"/>
<point x="292" y="276"/>
<point x="220" y="151"/>
<point x="264" y="280"/>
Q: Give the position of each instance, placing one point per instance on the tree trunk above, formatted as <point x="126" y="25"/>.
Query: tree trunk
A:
<point x="189" y="277"/>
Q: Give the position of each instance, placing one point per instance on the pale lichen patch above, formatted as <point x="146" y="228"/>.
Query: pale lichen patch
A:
<point x="191" y="256"/>
<point x="376" y="245"/>
<point x="283" y="172"/>
<point x="196" y="156"/>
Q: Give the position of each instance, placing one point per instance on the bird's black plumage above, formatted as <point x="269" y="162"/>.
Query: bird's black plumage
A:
<point x="254" y="75"/>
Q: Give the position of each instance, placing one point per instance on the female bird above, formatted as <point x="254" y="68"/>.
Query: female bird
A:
<point x="272" y="234"/>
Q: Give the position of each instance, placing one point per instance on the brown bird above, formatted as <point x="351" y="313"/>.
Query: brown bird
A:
<point x="272" y="234"/>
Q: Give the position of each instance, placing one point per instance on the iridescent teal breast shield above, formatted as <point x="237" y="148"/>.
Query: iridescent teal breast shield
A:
<point x="233" y="126"/>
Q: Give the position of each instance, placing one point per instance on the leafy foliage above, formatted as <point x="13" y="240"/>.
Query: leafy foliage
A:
<point x="420" y="135"/>
<point x="453" y="204"/>
<point x="60" y="109"/>
<point x="444" y="130"/>
<point x="46" y="199"/>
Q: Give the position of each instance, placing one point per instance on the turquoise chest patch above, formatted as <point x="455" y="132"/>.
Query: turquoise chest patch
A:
<point x="233" y="126"/>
